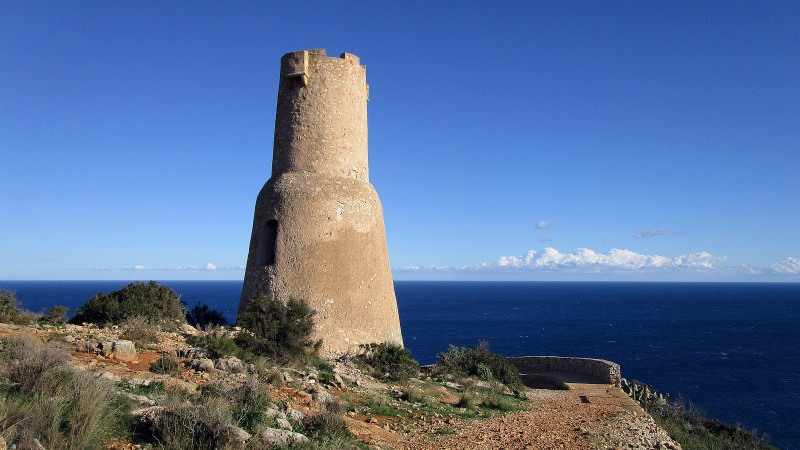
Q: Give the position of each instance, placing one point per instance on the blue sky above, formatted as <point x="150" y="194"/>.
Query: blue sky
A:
<point x="508" y="140"/>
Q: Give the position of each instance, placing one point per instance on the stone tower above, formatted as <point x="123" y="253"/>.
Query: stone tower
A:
<point x="318" y="232"/>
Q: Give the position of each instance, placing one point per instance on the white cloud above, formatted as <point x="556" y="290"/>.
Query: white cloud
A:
<point x="542" y="225"/>
<point x="585" y="260"/>
<point x="207" y="266"/>
<point x="615" y="259"/>
<point x="652" y="233"/>
<point x="787" y="266"/>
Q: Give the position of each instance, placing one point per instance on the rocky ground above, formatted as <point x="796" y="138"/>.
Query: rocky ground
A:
<point x="584" y="417"/>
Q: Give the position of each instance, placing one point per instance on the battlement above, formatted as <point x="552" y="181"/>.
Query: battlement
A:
<point x="297" y="64"/>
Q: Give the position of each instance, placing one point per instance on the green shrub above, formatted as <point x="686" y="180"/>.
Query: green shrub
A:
<point x="497" y="400"/>
<point x="392" y="361"/>
<point x="479" y="362"/>
<point x="41" y="398"/>
<point x="202" y="316"/>
<point x="10" y="311"/>
<point x="165" y="365"/>
<point x="219" y="345"/>
<point x="202" y="423"/>
<point x="277" y="330"/>
<point x="139" y="330"/>
<point x="154" y="303"/>
<point x="206" y="420"/>
<point x="325" y="423"/>
<point x="24" y="362"/>
<point x="690" y="426"/>
<point x="56" y="315"/>
<point x="250" y="401"/>
<point x="468" y="399"/>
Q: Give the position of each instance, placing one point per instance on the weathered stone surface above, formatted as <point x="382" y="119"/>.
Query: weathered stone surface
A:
<point x="188" y="329"/>
<point x="239" y="434"/>
<point x="124" y="350"/>
<point x="230" y="364"/>
<point x="295" y="415"/>
<point x="203" y="364"/>
<point x="194" y="353"/>
<point x="283" y="424"/>
<point x="110" y="377"/>
<point x="318" y="232"/>
<point x="601" y="369"/>
<point x="276" y="437"/>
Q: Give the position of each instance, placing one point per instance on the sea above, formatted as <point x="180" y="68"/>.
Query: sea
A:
<point x="731" y="349"/>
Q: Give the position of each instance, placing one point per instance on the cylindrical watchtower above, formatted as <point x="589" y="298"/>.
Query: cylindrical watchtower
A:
<point x="318" y="232"/>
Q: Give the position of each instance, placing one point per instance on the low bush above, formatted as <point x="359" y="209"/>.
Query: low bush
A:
<point x="479" y="362"/>
<point x="10" y="311"/>
<point x="277" y="330"/>
<point x="689" y="425"/>
<point x="468" y="399"/>
<point x="140" y="330"/>
<point x="24" y="362"/>
<point x="207" y="420"/>
<point x="250" y="401"/>
<point x="390" y="361"/>
<point x="42" y="399"/>
<point x="202" y="423"/>
<point x="154" y="303"/>
<point x="413" y="394"/>
<point x="219" y="345"/>
<point x="201" y="316"/>
<point x="165" y="365"/>
<point x="56" y="315"/>
<point x="325" y="423"/>
<point x="497" y="400"/>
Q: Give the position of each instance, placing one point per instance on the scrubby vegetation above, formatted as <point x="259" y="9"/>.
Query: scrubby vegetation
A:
<point x="10" y="311"/>
<point x="218" y="344"/>
<point x="43" y="400"/>
<point x="690" y="426"/>
<point x="165" y="365"/>
<point x="478" y="361"/>
<point x="56" y="315"/>
<point x="201" y="316"/>
<point x="277" y="330"/>
<point x="152" y="302"/>
<point x="140" y="331"/>
<point x="391" y="361"/>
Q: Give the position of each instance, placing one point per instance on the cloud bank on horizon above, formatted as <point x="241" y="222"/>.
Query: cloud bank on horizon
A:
<point x="209" y="266"/>
<point x="585" y="260"/>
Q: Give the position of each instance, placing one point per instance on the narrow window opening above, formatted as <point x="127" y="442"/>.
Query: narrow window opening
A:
<point x="266" y="250"/>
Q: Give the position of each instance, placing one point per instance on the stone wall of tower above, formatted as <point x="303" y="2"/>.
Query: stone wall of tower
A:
<point x="318" y="231"/>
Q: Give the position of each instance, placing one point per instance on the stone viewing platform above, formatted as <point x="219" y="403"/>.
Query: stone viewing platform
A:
<point x="569" y="369"/>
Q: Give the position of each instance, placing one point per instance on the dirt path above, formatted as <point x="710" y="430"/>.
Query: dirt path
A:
<point x="586" y="417"/>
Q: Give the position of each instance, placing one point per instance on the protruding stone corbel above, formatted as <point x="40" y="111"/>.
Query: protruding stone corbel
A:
<point x="296" y="66"/>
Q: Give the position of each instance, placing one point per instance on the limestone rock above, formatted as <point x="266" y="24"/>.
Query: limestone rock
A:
<point x="282" y="438"/>
<point x="283" y="424"/>
<point x="230" y="364"/>
<point x="124" y="350"/>
<point x="110" y="377"/>
<point x="203" y="364"/>
<point x="239" y="434"/>
<point x="194" y="353"/>
<point x="188" y="329"/>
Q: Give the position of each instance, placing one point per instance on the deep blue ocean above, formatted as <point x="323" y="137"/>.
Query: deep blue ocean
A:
<point x="733" y="349"/>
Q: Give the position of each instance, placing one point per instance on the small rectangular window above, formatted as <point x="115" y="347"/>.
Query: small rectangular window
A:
<point x="266" y="244"/>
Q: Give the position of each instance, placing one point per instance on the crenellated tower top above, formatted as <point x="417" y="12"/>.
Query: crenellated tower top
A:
<point x="321" y="119"/>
